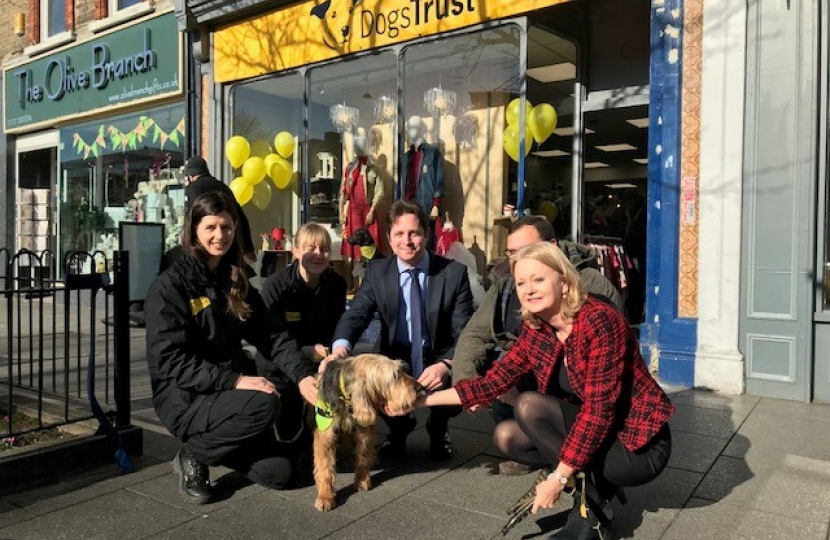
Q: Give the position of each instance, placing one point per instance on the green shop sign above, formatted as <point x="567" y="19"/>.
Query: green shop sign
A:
<point x="138" y="63"/>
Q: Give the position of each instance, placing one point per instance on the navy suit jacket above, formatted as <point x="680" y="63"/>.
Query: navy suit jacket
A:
<point x="449" y="305"/>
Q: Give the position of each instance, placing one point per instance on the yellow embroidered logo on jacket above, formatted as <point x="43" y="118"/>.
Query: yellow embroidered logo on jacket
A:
<point x="198" y="304"/>
<point x="293" y="316"/>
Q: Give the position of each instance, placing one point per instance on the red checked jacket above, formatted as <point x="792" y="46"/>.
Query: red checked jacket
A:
<point x="604" y="367"/>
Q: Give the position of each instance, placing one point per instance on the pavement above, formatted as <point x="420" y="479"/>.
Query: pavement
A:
<point x="742" y="467"/>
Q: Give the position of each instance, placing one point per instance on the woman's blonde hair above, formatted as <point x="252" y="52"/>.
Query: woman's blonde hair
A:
<point x="551" y="256"/>
<point x="314" y="234"/>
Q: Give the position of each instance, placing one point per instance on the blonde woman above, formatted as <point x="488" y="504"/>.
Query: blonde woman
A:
<point x="307" y="298"/>
<point x="598" y="410"/>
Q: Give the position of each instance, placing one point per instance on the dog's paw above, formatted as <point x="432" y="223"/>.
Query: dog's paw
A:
<point x="363" y="484"/>
<point x="324" y="504"/>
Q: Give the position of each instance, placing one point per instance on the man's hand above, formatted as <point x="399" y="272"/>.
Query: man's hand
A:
<point x="315" y="353"/>
<point x="337" y="352"/>
<point x="258" y="384"/>
<point x="308" y="389"/>
<point x="435" y="377"/>
<point x="434" y="213"/>
<point x="370" y="217"/>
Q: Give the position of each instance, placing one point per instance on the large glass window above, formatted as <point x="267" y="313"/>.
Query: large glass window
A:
<point x="353" y="130"/>
<point x="262" y="110"/>
<point x="457" y="91"/>
<point x="125" y="168"/>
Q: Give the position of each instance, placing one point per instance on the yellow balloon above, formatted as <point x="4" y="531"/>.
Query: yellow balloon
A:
<point x="542" y="121"/>
<point x="260" y="148"/>
<point x="510" y="141"/>
<point x="237" y="150"/>
<point x="242" y="190"/>
<point x="281" y="173"/>
<point x="269" y="161"/>
<point x="262" y="195"/>
<point x="253" y="170"/>
<point x="284" y="144"/>
<point x="512" y="111"/>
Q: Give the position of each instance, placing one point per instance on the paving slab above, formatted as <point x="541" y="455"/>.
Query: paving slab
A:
<point x="721" y="423"/>
<point x="713" y="400"/>
<point x="796" y="493"/>
<point x="695" y="452"/>
<point x="395" y="478"/>
<point x="702" y="519"/>
<point x="414" y="517"/>
<point x="120" y="515"/>
<point x="774" y="527"/>
<point x="731" y="480"/>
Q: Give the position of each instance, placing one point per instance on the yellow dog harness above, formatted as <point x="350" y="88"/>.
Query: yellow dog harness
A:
<point x="323" y="412"/>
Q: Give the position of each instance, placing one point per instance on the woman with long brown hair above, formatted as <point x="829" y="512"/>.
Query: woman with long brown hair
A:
<point x="206" y="390"/>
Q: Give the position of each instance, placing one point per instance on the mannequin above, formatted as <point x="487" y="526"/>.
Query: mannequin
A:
<point x="423" y="179"/>
<point x="360" y="195"/>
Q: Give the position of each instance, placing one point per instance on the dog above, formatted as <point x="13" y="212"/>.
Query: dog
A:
<point x="336" y="18"/>
<point x="350" y="393"/>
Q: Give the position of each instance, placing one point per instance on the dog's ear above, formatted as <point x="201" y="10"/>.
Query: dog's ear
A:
<point x="321" y="9"/>
<point x="363" y="402"/>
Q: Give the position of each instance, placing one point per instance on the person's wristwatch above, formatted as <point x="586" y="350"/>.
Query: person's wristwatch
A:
<point x="561" y="478"/>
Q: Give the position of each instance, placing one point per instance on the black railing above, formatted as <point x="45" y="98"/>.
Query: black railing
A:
<point x="52" y="328"/>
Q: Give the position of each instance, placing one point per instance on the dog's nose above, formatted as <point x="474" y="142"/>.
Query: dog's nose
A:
<point x="345" y="31"/>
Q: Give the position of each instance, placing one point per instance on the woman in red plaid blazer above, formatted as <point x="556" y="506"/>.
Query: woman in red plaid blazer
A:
<point x="598" y="409"/>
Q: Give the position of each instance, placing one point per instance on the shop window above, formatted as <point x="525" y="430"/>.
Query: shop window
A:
<point x="353" y="136"/>
<point x="125" y="168"/>
<point x="456" y="91"/>
<point x="52" y="18"/>
<point x="269" y="115"/>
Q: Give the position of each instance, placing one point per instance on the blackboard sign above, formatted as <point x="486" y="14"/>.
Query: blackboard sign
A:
<point x="145" y="242"/>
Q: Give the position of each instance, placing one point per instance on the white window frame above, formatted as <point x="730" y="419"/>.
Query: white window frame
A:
<point x="45" y="19"/>
<point x="48" y="42"/>
<point x="119" y="16"/>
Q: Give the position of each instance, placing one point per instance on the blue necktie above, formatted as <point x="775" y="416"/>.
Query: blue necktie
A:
<point x="416" y="311"/>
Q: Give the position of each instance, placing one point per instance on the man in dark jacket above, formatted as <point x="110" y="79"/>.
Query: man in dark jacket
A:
<point x="420" y="320"/>
<point x="199" y="181"/>
<point x="496" y="324"/>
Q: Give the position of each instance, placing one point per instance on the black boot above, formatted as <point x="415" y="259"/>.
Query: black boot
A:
<point x="395" y="444"/>
<point x="440" y="445"/>
<point x="590" y="518"/>
<point x="194" y="477"/>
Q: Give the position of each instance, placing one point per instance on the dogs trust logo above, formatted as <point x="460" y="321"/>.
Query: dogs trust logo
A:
<point x="344" y="19"/>
<point x="336" y="18"/>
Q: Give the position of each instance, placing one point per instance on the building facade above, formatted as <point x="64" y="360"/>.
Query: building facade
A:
<point x="94" y="124"/>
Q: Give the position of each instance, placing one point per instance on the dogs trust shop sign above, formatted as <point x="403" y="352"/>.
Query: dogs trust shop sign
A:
<point x="138" y="63"/>
<point x="318" y="30"/>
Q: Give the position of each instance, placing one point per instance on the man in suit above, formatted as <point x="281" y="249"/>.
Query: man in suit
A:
<point x="424" y="302"/>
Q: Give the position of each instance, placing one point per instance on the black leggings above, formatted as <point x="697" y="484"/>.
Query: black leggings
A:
<point x="536" y="435"/>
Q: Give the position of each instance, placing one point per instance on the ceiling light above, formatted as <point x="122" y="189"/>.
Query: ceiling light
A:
<point x="620" y="186"/>
<point x="621" y="147"/>
<point x="641" y="161"/>
<point x="638" y="122"/>
<point x="569" y="131"/>
<point x="551" y="153"/>
<point x="553" y="73"/>
<point x="595" y="165"/>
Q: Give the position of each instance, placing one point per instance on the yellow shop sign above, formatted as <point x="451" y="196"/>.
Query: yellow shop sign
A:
<point x="314" y="31"/>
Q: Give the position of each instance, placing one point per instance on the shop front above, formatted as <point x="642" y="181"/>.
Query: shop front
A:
<point x="98" y="133"/>
<point x="361" y="90"/>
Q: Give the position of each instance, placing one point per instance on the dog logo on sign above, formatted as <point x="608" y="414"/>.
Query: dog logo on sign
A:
<point x="336" y="17"/>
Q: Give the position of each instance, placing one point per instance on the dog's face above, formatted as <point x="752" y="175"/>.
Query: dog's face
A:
<point x="336" y="19"/>
<point x="378" y="382"/>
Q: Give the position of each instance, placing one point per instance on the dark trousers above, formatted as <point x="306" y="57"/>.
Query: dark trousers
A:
<point x="234" y="428"/>
<point x="615" y="466"/>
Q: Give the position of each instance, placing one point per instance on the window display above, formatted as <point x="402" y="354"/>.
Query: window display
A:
<point x="124" y="168"/>
<point x="455" y="92"/>
<point x="268" y="115"/>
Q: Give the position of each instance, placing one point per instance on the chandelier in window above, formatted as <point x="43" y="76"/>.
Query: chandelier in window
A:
<point x="343" y="117"/>
<point x="439" y="101"/>
<point x="385" y="110"/>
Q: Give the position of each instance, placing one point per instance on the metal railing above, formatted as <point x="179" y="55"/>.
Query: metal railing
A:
<point x="50" y="331"/>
